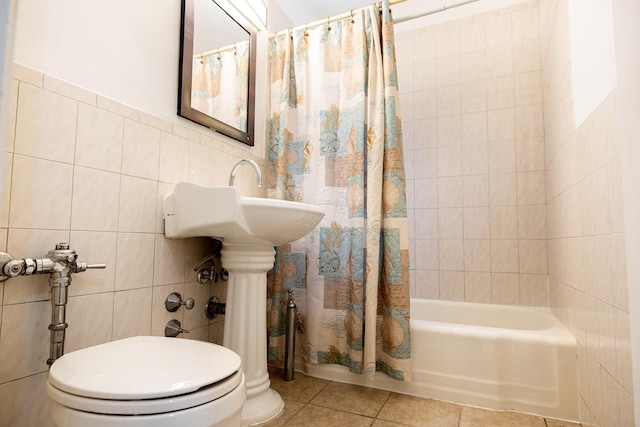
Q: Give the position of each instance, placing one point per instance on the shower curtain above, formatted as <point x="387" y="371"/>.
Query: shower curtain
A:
<point x="336" y="142"/>
<point x="220" y="85"/>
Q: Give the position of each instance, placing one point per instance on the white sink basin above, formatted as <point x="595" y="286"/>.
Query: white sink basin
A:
<point x="221" y="212"/>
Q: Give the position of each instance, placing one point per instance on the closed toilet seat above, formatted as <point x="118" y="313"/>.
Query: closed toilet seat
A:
<point x="146" y="376"/>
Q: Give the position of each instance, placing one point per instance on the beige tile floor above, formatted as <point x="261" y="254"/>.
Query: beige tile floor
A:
<point x="313" y="402"/>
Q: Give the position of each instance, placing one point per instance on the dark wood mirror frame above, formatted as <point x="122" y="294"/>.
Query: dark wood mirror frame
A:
<point x="186" y="71"/>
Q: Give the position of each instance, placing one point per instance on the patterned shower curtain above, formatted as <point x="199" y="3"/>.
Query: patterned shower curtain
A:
<point x="336" y="142"/>
<point x="220" y="85"/>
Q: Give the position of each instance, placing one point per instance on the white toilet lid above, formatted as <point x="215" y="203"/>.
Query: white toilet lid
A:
<point x="143" y="367"/>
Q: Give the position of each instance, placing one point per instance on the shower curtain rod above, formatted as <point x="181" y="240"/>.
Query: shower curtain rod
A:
<point x="433" y="11"/>
<point x="391" y="2"/>
<point x="332" y="18"/>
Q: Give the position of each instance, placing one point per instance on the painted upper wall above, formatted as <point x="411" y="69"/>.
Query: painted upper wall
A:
<point x="126" y="50"/>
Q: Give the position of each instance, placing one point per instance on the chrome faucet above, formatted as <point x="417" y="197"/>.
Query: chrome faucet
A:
<point x="241" y="163"/>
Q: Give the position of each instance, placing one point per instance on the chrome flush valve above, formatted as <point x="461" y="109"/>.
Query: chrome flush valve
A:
<point x="60" y="263"/>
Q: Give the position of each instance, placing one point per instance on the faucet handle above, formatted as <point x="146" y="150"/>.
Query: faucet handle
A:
<point x="173" y="328"/>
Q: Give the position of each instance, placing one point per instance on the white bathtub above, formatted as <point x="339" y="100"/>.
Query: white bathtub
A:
<point x="493" y="356"/>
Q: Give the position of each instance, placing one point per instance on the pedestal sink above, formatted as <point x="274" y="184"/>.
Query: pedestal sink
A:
<point x="249" y="227"/>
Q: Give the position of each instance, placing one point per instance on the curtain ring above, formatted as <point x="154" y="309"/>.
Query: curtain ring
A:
<point x="328" y="23"/>
<point x="352" y="20"/>
<point x="306" y="30"/>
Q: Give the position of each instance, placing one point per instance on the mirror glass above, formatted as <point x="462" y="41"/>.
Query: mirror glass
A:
<point x="217" y="69"/>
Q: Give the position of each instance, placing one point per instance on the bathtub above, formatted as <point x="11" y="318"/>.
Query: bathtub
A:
<point x="493" y="356"/>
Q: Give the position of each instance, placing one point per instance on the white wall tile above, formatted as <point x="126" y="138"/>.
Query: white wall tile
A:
<point x="134" y="268"/>
<point x="138" y="198"/>
<point x="69" y="90"/>
<point x="504" y="256"/>
<point x="477" y="257"/>
<point x="477" y="287"/>
<point x="46" y="124"/>
<point x="475" y="190"/>
<point x="447" y="41"/>
<point x="169" y="261"/>
<point x="429" y="256"/>
<point x="503" y="189"/>
<point x="448" y="101"/>
<point x="472" y="36"/>
<point x="498" y="29"/>
<point x="25" y="403"/>
<point x="174" y="159"/>
<point x="450" y="223"/>
<point x="94" y="248"/>
<point x="528" y="88"/>
<point x="473" y="67"/>
<point x="99" y="143"/>
<point x="501" y="125"/>
<point x="52" y="182"/>
<point x="6" y="189"/>
<point x="477" y="223"/>
<point x="448" y="71"/>
<point x="526" y="56"/>
<point x="424" y="75"/>
<point x="499" y="61"/>
<point x="502" y="156"/>
<point x="533" y="290"/>
<point x="132" y="313"/>
<point x="531" y="222"/>
<point x="450" y="192"/>
<point x="425" y="133"/>
<point x="500" y="92"/>
<point x="96" y="197"/>
<point x="140" y="150"/>
<point x="426" y="224"/>
<point x="474" y="128"/>
<point x="452" y="285"/>
<point x="475" y="159"/>
<point x="530" y="154"/>
<point x="425" y="104"/>
<point x="426" y="163"/>
<point x="25" y="339"/>
<point x="533" y="256"/>
<point x="505" y="288"/>
<point x="529" y="121"/>
<point x="531" y="188"/>
<point x="504" y="222"/>
<point x="90" y="319"/>
<point x="473" y="97"/>
<point x="449" y="161"/>
<point x="525" y="24"/>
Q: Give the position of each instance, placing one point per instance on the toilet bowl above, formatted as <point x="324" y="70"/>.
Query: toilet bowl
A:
<point x="147" y="381"/>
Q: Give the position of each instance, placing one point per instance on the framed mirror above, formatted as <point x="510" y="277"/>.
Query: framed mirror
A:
<point x="217" y="69"/>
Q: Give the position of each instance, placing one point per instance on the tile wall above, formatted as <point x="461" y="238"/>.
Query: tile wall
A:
<point x="586" y="232"/>
<point x="471" y="99"/>
<point x="84" y="169"/>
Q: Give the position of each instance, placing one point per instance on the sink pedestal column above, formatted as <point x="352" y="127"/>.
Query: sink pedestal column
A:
<point x="245" y="326"/>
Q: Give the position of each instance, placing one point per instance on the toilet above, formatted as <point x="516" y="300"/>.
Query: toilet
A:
<point x="147" y="381"/>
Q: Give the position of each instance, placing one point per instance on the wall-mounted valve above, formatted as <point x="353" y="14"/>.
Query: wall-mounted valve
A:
<point x="210" y="267"/>
<point x="174" y="302"/>
<point x="213" y="307"/>
<point x="60" y="263"/>
<point x="174" y="328"/>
